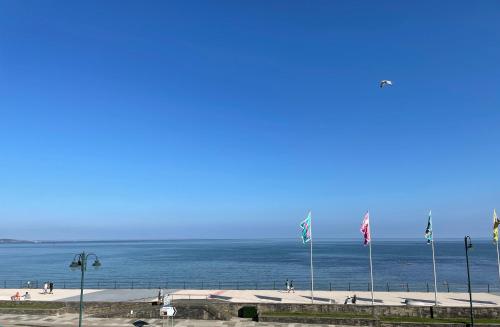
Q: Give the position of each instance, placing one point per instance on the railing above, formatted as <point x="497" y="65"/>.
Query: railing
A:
<point x="252" y="285"/>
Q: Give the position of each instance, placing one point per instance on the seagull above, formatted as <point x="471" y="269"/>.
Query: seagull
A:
<point x="385" y="82"/>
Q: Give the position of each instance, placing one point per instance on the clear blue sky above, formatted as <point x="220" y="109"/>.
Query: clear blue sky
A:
<point x="164" y="119"/>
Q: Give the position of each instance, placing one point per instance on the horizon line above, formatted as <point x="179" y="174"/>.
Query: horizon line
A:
<point x="385" y="239"/>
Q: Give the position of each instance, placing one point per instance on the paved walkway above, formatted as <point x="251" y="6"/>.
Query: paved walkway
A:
<point x="363" y="298"/>
<point x="263" y="296"/>
<point x="67" y="320"/>
<point x="114" y="295"/>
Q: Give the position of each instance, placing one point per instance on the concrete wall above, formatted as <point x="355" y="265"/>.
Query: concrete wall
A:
<point x="201" y="309"/>
<point x="383" y="310"/>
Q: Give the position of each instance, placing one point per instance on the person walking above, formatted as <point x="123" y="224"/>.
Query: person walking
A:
<point x="291" y="287"/>
<point x="160" y="295"/>
<point x="287" y="286"/>
<point x="51" y="287"/>
<point x="45" y="287"/>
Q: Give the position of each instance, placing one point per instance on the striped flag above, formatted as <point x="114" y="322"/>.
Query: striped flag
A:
<point x="428" y="230"/>
<point x="365" y="228"/>
<point x="306" y="229"/>
<point x="496" y="222"/>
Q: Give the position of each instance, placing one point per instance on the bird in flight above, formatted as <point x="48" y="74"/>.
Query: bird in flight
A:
<point x="385" y="82"/>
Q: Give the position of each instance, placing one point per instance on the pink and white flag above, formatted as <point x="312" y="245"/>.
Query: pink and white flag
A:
<point x="365" y="228"/>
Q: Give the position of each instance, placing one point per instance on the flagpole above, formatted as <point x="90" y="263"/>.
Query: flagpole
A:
<point x="312" y="274"/>
<point x="495" y="237"/>
<point x="435" y="279"/>
<point x="371" y="270"/>
<point x="366" y="231"/>
<point x="370" y="246"/>
<point x="498" y="260"/>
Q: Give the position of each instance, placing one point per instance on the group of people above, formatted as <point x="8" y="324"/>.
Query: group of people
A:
<point x="289" y="286"/>
<point x="19" y="297"/>
<point x="48" y="288"/>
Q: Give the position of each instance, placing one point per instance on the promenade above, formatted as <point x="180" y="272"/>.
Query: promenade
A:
<point x="260" y="296"/>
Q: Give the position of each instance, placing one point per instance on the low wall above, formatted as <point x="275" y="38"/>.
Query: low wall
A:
<point x="193" y="309"/>
<point x="382" y="310"/>
<point x="213" y="309"/>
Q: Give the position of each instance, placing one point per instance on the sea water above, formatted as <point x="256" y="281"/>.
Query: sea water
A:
<point x="252" y="264"/>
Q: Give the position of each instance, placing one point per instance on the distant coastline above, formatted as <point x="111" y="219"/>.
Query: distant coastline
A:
<point x="12" y="241"/>
<point x="322" y="239"/>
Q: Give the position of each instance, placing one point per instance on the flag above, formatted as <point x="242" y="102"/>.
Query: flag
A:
<point x="428" y="230"/>
<point x="306" y="228"/>
<point x="496" y="222"/>
<point x="365" y="228"/>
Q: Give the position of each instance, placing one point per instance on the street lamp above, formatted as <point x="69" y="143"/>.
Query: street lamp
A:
<point x="468" y="245"/>
<point x="80" y="262"/>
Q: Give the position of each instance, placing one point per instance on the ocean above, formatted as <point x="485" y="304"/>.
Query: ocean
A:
<point x="252" y="264"/>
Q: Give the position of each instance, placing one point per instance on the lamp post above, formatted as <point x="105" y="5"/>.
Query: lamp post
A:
<point x="468" y="245"/>
<point x="80" y="262"/>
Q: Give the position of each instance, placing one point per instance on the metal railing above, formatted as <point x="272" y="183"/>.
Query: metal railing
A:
<point x="251" y="285"/>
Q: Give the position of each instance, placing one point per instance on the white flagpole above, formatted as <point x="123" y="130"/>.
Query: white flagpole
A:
<point x="370" y="246"/>
<point x="435" y="278"/>
<point x="498" y="260"/>
<point x="312" y="274"/>
<point x="495" y="238"/>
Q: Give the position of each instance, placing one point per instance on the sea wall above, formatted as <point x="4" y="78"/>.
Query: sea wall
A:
<point x="202" y="309"/>
<point x="382" y="310"/>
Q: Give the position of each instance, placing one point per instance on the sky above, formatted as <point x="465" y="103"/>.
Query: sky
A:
<point x="233" y="119"/>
